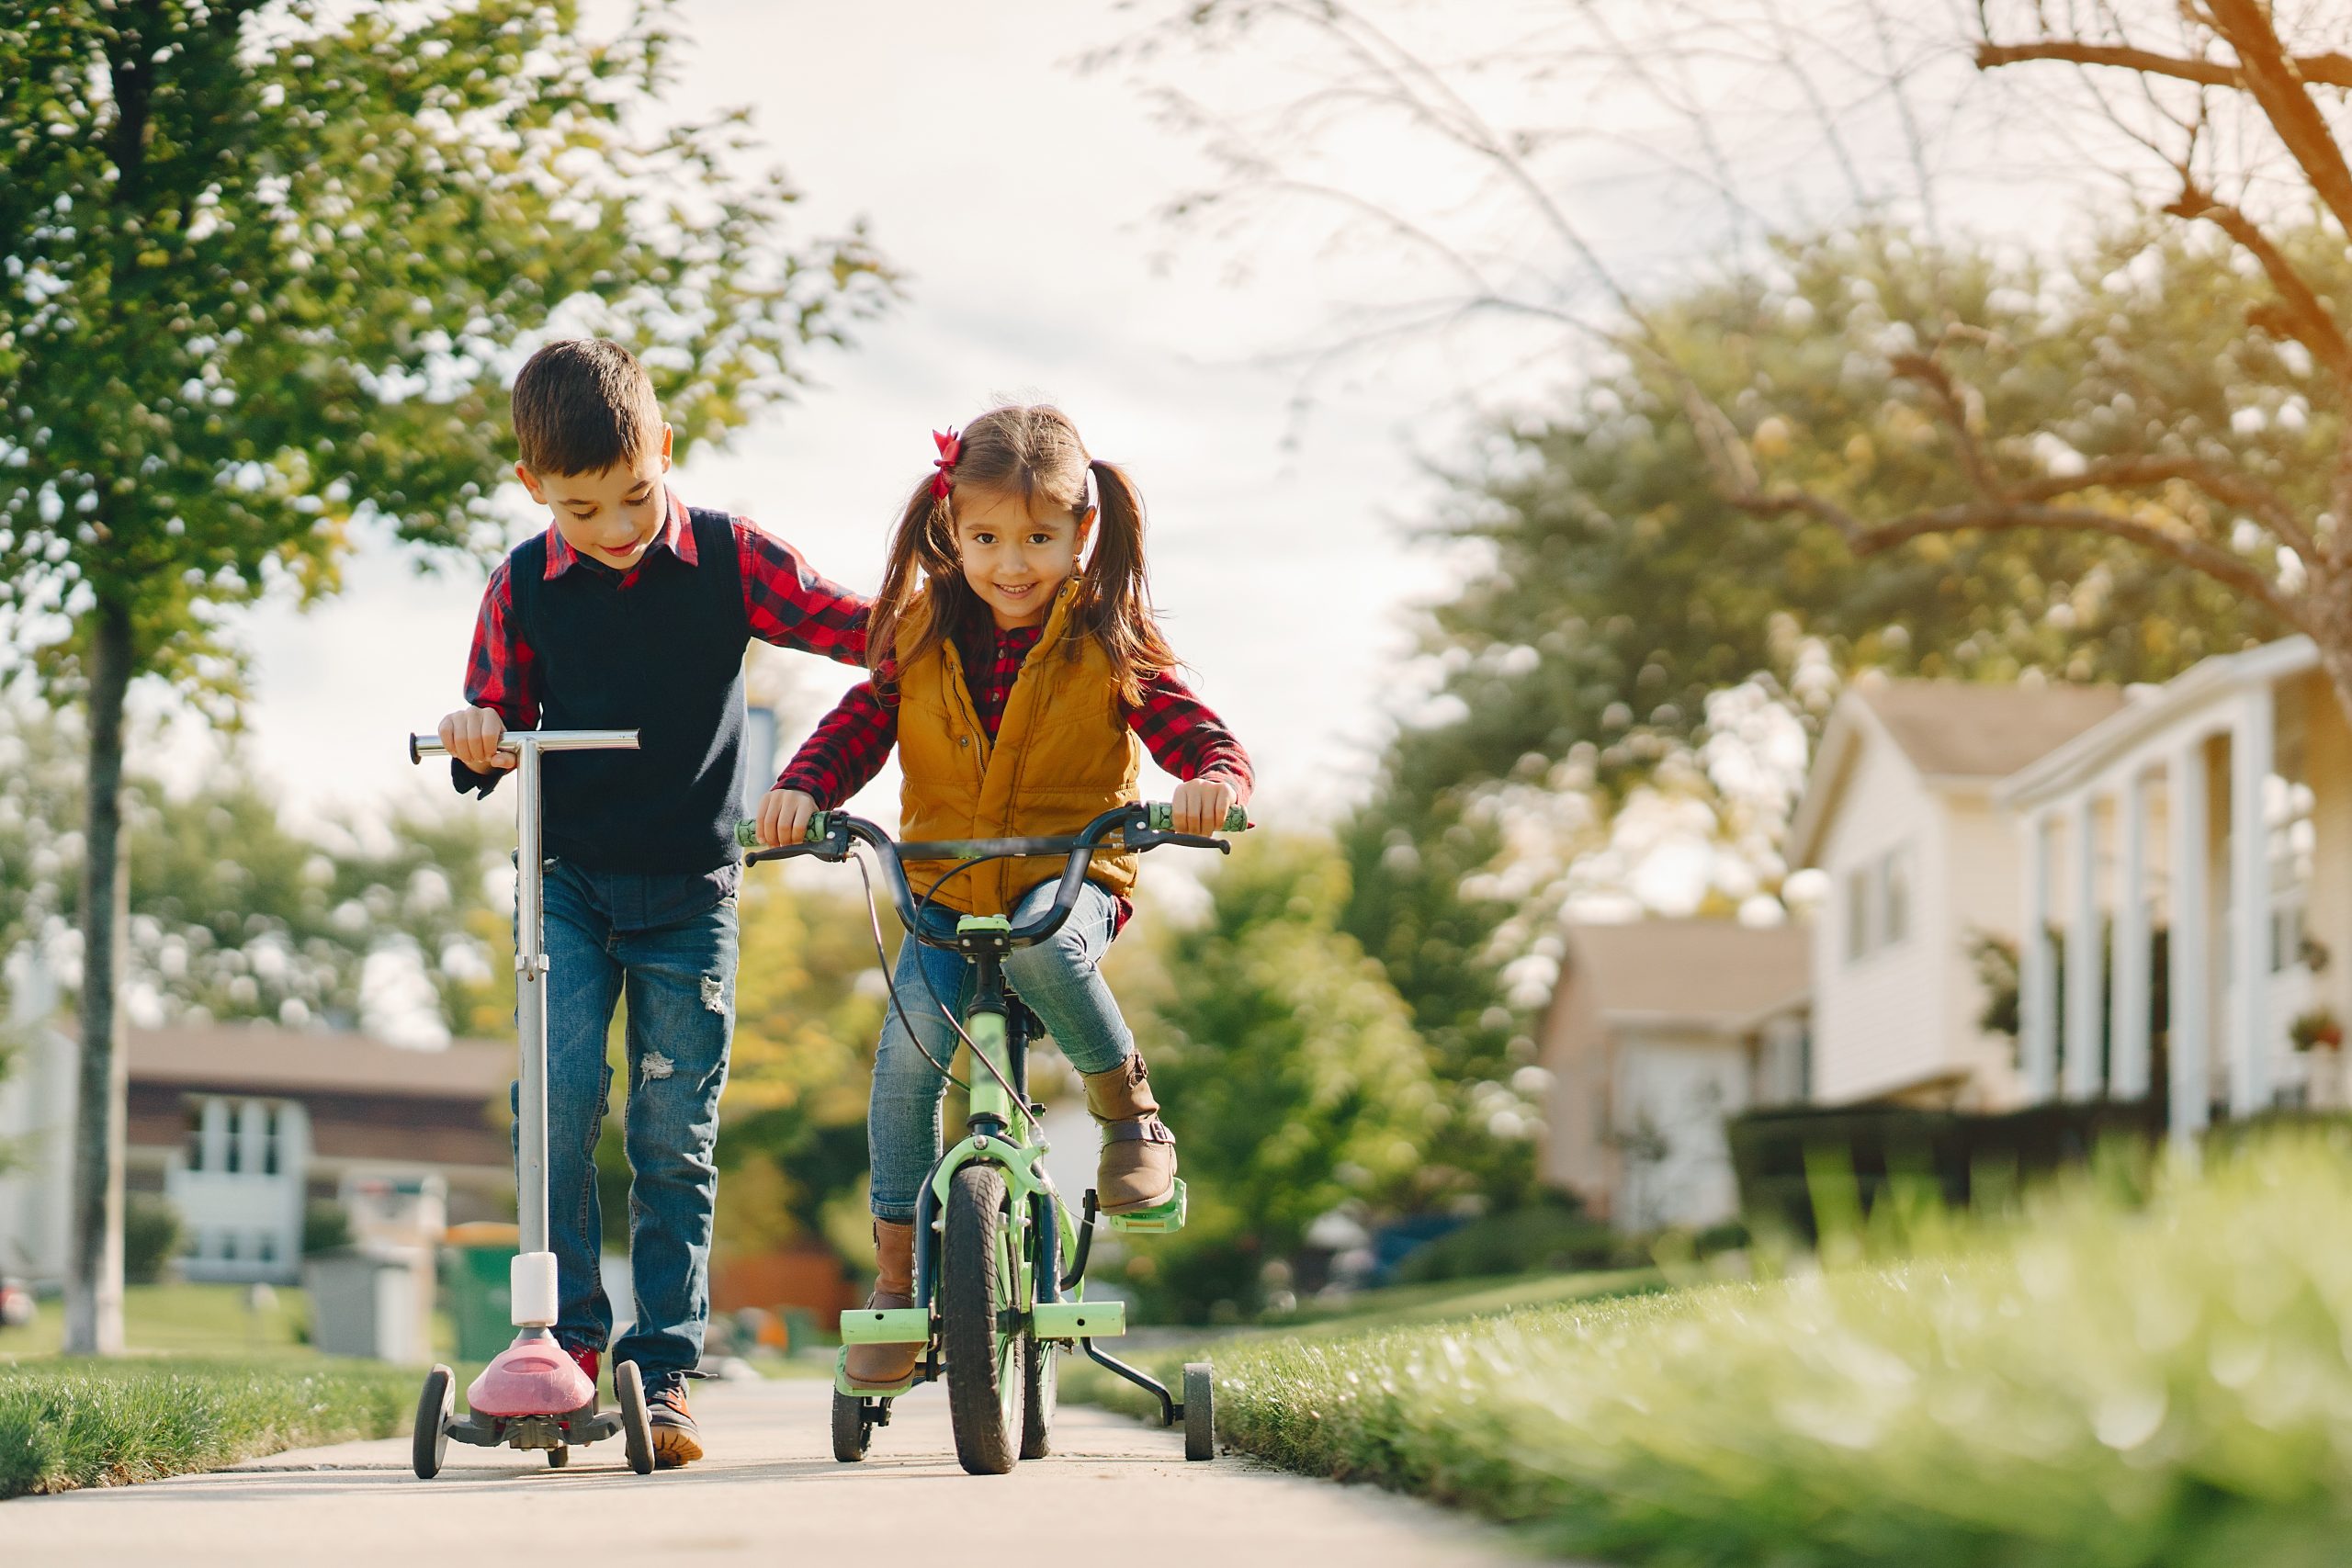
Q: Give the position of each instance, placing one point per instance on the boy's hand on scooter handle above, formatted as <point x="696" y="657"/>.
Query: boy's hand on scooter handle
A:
<point x="472" y="736"/>
<point x="784" y="817"/>
<point x="1201" y="805"/>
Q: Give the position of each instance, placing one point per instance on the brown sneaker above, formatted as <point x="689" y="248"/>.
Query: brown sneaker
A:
<point x="887" y="1366"/>
<point x="1138" y="1167"/>
<point x="676" y="1440"/>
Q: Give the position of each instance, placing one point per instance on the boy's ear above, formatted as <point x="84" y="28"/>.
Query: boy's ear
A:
<point x="665" y="445"/>
<point x="531" y="482"/>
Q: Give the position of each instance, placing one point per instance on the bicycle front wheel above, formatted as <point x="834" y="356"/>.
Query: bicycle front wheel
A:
<point x="977" y="1283"/>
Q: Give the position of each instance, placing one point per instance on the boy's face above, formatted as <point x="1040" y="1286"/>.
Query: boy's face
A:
<point x="613" y="514"/>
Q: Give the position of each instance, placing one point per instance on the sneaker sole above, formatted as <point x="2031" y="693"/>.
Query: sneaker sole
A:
<point x="675" y="1446"/>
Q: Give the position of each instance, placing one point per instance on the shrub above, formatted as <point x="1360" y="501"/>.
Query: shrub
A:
<point x="151" y="1236"/>
<point x="1520" y="1241"/>
<point x="326" y="1225"/>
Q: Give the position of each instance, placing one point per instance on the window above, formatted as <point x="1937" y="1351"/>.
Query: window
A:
<point x="1895" y="896"/>
<point x="1858" y="914"/>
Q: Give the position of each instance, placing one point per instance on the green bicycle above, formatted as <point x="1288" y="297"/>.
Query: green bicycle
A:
<point x="993" y="1300"/>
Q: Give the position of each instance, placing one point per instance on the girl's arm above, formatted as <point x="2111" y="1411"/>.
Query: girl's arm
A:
<point x="846" y="749"/>
<point x="1185" y="737"/>
<point x="790" y="605"/>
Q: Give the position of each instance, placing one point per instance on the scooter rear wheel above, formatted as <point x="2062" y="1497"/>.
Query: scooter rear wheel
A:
<point x="429" y="1442"/>
<point x="636" y="1427"/>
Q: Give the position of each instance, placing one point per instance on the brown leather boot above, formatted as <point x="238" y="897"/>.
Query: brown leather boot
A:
<point x="887" y="1366"/>
<point x="1138" y="1165"/>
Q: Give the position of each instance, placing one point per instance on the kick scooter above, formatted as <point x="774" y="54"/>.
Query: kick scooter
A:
<point x="532" y="1395"/>
<point x="993" y="1300"/>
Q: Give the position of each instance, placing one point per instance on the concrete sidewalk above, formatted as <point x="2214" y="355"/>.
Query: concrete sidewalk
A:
<point x="1116" y="1494"/>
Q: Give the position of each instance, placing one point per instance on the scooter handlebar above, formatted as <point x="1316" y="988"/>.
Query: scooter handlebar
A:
<point x="420" y="747"/>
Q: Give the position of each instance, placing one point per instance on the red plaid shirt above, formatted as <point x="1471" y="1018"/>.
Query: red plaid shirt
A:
<point x="851" y="743"/>
<point x="787" y="603"/>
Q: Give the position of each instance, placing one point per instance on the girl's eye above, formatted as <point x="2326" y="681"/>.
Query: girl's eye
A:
<point x="984" y="538"/>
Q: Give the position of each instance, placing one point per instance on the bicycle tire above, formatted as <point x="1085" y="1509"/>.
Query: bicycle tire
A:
<point x="984" y="1380"/>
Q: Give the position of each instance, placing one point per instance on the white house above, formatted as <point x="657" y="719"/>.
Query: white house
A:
<point x="1899" y="813"/>
<point x="1658" y="1032"/>
<point x="241" y="1126"/>
<point x="2217" y="809"/>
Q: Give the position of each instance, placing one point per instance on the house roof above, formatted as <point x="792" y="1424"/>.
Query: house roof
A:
<point x="1957" y="734"/>
<point x="1715" y="974"/>
<point x="245" y="1058"/>
<point x="1964" y="730"/>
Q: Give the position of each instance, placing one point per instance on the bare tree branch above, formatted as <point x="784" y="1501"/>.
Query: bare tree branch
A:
<point x="2302" y="315"/>
<point x="2320" y="70"/>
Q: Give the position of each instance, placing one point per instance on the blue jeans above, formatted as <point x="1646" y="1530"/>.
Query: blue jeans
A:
<point x="669" y="943"/>
<point x="1057" y="979"/>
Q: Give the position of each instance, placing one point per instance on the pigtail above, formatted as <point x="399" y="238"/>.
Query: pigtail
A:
<point x="923" y="556"/>
<point x="1114" y="598"/>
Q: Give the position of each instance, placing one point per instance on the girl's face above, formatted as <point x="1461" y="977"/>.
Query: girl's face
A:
<point x="1013" y="560"/>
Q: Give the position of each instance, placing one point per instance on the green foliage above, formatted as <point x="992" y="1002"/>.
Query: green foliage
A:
<point x="82" y="1424"/>
<point x="1288" y="1069"/>
<point x="151" y="1236"/>
<point x="233" y="915"/>
<point x="2102" y="1385"/>
<point x="327" y="1225"/>
<point x="267" y="266"/>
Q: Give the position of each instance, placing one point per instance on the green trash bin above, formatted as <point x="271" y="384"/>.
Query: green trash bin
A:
<point x="481" y="1258"/>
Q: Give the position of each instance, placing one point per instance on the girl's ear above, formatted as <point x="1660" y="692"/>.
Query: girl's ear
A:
<point x="1085" y="528"/>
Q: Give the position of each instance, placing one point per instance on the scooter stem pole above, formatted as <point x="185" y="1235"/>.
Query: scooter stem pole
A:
<point x="531" y="1010"/>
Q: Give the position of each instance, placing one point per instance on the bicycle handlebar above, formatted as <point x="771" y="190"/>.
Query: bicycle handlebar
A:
<point x="1145" y="826"/>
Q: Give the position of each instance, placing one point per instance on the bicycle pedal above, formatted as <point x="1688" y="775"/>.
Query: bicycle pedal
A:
<point x="1157" y="1220"/>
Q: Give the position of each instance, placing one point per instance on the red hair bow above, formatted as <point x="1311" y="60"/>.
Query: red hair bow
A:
<point x="951" y="447"/>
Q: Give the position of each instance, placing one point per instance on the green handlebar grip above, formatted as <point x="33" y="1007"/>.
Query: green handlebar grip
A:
<point x="1163" y="819"/>
<point x="747" y="832"/>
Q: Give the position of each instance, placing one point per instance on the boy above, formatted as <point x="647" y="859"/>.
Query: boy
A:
<point x="631" y="612"/>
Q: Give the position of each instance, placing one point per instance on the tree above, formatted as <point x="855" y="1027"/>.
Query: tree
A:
<point x="1290" y="1071"/>
<point x="265" y="265"/>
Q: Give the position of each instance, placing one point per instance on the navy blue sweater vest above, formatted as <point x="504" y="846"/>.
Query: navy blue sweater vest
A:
<point x="664" y="657"/>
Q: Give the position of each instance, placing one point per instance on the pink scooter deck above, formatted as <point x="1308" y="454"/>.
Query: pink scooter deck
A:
<point x="531" y="1377"/>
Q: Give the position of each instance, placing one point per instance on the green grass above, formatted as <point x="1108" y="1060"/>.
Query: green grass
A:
<point x="64" y="1425"/>
<point x="2100" y="1383"/>
<point x="1449" y="1299"/>
<point x="180" y="1320"/>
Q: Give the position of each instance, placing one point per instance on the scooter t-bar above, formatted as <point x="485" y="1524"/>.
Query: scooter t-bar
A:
<point x="532" y="1281"/>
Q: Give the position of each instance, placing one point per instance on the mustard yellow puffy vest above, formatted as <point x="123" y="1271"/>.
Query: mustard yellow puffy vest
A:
<point x="1062" y="756"/>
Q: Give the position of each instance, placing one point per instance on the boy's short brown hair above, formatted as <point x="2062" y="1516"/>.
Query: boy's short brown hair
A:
<point x="581" y="405"/>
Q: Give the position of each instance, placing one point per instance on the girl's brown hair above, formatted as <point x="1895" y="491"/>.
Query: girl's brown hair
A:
<point x="1032" y="453"/>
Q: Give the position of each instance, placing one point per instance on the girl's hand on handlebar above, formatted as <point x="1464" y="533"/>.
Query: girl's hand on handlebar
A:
<point x="1201" y="805"/>
<point x="472" y="735"/>
<point x="784" y="817"/>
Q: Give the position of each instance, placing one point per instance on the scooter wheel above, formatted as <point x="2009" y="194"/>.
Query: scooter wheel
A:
<point x="429" y="1443"/>
<point x="853" y="1432"/>
<point x="1200" y="1411"/>
<point x="558" y="1457"/>
<point x="637" y="1428"/>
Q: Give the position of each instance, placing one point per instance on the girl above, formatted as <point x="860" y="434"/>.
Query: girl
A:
<point x="1016" y="673"/>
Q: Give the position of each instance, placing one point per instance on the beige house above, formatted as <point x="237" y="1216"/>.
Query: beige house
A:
<point x="1899" y="813"/>
<point x="1658" y="1032"/>
<point x="2218" y="809"/>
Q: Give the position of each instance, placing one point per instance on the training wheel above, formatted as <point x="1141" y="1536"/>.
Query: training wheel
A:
<point x="558" y="1457"/>
<point x="1200" y="1411"/>
<point x="852" y="1429"/>
<point x="429" y="1443"/>
<point x="637" y="1428"/>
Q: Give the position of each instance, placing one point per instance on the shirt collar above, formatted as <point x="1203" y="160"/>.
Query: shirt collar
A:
<point x="676" y="536"/>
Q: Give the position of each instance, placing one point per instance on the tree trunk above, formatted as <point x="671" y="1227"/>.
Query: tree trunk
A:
<point x="94" y="1268"/>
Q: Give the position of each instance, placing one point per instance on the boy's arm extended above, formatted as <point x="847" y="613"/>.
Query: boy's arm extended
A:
<point x="846" y="749"/>
<point x="499" y="674"/>
<point x="791" y="606"/>
<point x="1187" y="738"/>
